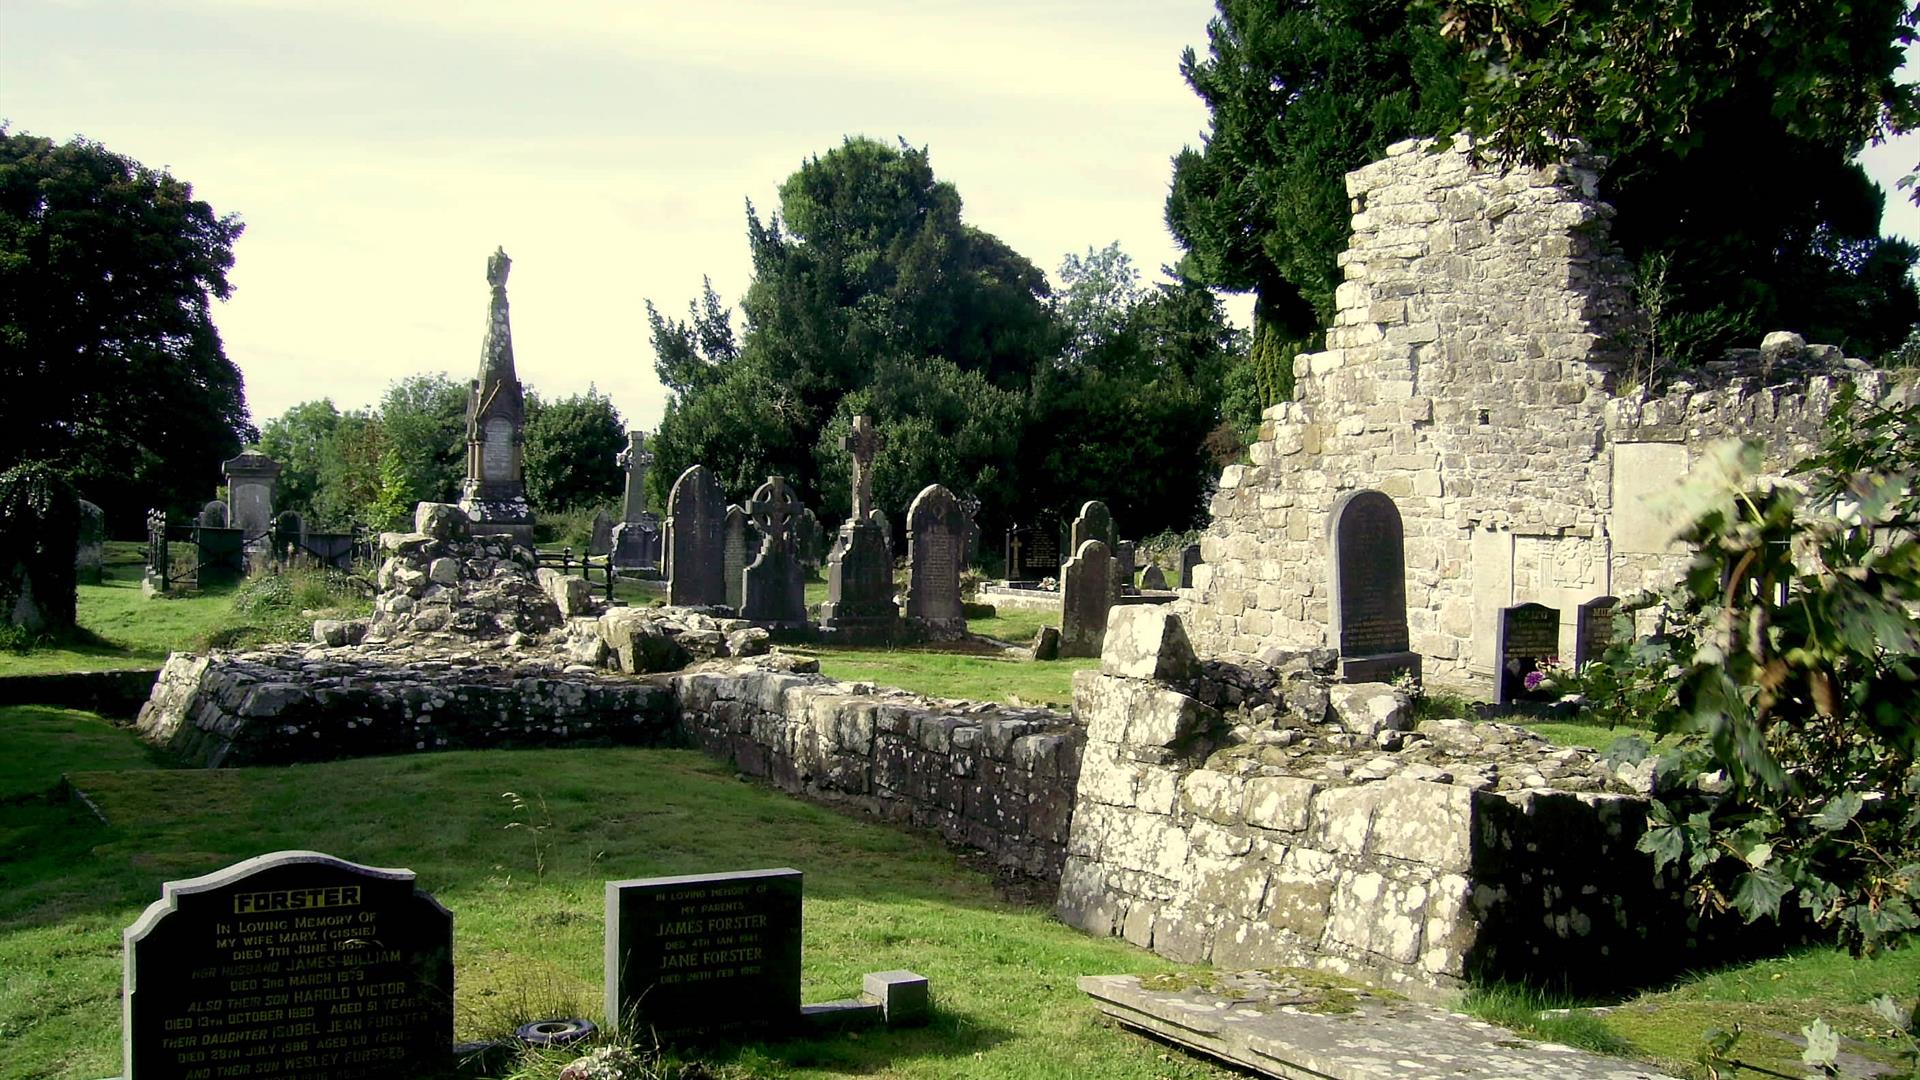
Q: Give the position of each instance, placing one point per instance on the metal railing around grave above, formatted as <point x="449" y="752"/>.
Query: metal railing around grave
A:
<point x="564" y="560"/>
<point x="194" y="554"/>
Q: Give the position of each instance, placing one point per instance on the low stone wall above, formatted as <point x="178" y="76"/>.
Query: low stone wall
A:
<point x="1250" y="816"/>
<point x="311" y="703"/>
<point x="114" y="694"/>
<point x="991" y="777"/>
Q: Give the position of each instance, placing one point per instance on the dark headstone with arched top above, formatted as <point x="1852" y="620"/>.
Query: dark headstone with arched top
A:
<point x="1369" y="601"/>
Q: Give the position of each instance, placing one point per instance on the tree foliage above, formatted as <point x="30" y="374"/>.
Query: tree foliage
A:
<point x="570" y="449"/>
<point x="1299" y="93"/>
<point x="39" y="525"/>
<point x="114" y="371"/>
<point x="1791" y="673"/>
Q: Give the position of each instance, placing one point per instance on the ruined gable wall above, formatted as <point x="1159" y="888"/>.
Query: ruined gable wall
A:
<point x="1465" y="377"/>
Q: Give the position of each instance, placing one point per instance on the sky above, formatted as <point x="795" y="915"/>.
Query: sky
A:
<point x="379" y="150"/>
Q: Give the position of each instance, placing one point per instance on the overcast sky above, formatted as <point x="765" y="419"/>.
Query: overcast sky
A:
<point x="379" y="151"/>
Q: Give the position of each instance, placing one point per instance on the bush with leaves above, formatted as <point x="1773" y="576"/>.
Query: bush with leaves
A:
<point x="1791" y="674"/>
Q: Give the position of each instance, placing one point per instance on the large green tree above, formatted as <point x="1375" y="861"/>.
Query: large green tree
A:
<point x="1299" y="92"/>
<point x="867" y="269"/>
<point x="570" y="449"/>
<point x="113" y="369"/>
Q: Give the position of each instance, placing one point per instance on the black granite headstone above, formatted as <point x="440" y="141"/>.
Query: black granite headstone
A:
<point x="1189" y="558"/>
<point x="1593" y="630"/>
<point x="705" y="956"/>
<point x="1529" y="639"/>
<point x="291" y="966"/>
<point x="1369" y="601"/>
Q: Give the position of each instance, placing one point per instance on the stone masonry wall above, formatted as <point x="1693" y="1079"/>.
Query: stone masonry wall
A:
<point x="1470" y="376"/>
<point x="1463" y="377"/>
<point x="995" y="778"/>
<point x="1251" y="817"/>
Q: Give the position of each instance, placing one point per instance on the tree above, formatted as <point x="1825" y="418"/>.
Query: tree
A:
<point x="297" y="440"/>
<point x="1300" y="93"/>
<point x="114" y="370"/>
<point x="867" y="268"/>
<point x="425" y="421"/>
<point x="1691" y="107"/>
<point x="570" y="449"/>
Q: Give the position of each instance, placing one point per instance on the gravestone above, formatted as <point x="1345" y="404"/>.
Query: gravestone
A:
<point x="1189" y="559"/>
<point x="1593" y="630"/>
<point x="221" y="554"/>
<point x="773" y="587"/>
<point x="1369" y="594"/>
<point x="1085" y="597"/>
<point x="1033" y="551"/>
<point x="90" y="545"/>
<point x="1152" y="579"/>
<point x="860" y="569"/>
<point x="1124" y="565"/>
<point x="1529" y="638"/>
<point x="636" y="539"/>
<point x="703" y="956"/>
<point x="293" y="965"/>
<point x="213" y="515"/>
<point x="740" y="542"/>
<point x="600" y="540"/>
<point x="1095" y="522"/>
<point x="695" y="544"/>
<point x="250" y="482"/>
<point x="812" y="538"/>
<point x="937" y="527"/>
<point x="494" y="494"/>
<point x="289" y="535"/>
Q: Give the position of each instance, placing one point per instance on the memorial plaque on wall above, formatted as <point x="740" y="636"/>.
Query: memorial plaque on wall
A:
<point x="1369" y="595"/>
<point x="702" y="957"/>
<point x="1593" y="630"/>
<point x="295" y="966"/>
<point x="1529" y="640"/>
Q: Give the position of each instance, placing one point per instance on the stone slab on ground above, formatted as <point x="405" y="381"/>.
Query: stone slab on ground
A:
<point x="1309" y="1028"/>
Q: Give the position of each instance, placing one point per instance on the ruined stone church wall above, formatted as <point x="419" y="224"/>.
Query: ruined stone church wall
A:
<point x="1465" y="376"/>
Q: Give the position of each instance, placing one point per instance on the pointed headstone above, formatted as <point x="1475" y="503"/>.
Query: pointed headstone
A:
<point x="937" y="527"/>
<point x="600" y="542"/>
<point x="1085" y="598"/>
<point x="773" y="588"/>
<point x="697" y="517"/>
<point x="495" y="493"/>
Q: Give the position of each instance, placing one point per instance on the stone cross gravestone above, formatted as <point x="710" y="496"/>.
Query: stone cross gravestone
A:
<point x="1369" y="594"/>
<point x="634" y="461"/>
<point x="1189" y="559"/>
<point x="860" y="568"/>
<point x="696" y="553"/>
<point x="741" y="540"/>
<point x="294" y="965"/>
<point x="1085" y="599"/>
<point x="937" y="528"/>
<point x="600" y="540"/>
<point x="703" y="956"/>
<point x="1529" y="638"/>
<point x="1593" y="630"/>
<point x="773" y="587"/>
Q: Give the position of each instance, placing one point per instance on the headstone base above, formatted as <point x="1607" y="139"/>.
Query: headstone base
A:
<point x="1382" y="668"/>
<point x="636" y="545"/>
<point x="500" y="517"/>
<point x="860" y="586"/>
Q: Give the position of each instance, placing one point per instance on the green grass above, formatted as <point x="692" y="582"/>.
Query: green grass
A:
<point x="1016" y="626"/>
<point x="123" y="628"/>
<point x="954" y="675"/>
<point x="529" y="941"/>
<point x="1770" y="1000"/>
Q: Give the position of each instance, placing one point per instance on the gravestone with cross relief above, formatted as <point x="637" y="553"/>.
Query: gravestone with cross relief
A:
<point x="636" y="538"/>
<point x="773" y="586"/>
<point x="860" y="570"/>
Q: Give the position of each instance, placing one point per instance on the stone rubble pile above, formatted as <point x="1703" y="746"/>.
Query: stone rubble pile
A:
<point x="440" y="580"/>
<point x="644" y="640"/>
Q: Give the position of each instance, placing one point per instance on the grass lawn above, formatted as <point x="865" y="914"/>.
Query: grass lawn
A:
<point x="954" y="675"/>
<point x="527" y="903"/>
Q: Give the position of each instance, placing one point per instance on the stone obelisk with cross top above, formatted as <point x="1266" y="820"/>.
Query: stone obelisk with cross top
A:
<point x="773" y="586"/>
<point x="859" y="603"/>
<point x="636" y="539"/>
<point x="495" y="492"/>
